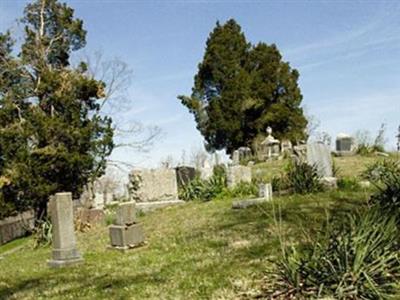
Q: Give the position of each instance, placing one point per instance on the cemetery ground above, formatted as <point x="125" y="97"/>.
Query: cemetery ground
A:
<point x="199" y="250"/>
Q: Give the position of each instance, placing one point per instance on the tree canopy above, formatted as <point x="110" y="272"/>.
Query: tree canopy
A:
<point x="240" y="89"/>
<point x="52" y="135"/>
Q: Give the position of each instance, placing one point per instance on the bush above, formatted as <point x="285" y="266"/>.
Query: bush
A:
<point x="386" y="177"/>
<point x="303" y="178"/>
<point x="243" y="189"/>
<point x="204" y="190"/>
<point x="348" y="183"/>
<point x="42" y="234"/>
<point x="357" y="260"/>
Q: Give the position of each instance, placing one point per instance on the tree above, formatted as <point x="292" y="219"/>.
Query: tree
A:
<point x="240" y="89"/>
<point x="53" y="137"/>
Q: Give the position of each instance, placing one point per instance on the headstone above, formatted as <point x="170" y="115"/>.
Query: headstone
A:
<point x="319" y="155"/>
<point x="398" y="140"/>
<point x="126" y="233"/>
<point x="154" y="188"/>
<point x="90" y="216"/>
<point x="270" y="147"/>
<point x="244" y="153"/>
<point x="64" y="242"/>
<point x="345" y="144"/>
<point x="286" y="147"/>
<point x="237" y="174"/>
<point x="235" y="158"/>
<point x="184" y="175"/>
<point x="265" y="191"/>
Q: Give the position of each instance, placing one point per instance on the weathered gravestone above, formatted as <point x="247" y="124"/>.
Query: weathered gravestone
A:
<point x="64" y="242"/>
<point x="319" y="155"/>
<point x="184" y="175"/>
<point x="126" y="233"/>
<point x="237" y="174"/>
<point x="264" y="195"/>
<point x="155" y="188"/>
<point x="345" y="144"/>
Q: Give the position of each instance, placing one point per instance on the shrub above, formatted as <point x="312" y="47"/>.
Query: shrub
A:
<point x="386" y="177"/>
<point x="303" y="178"/>
<point x="357" y="260"/>
<point x="244" y="189"/>
<point x="204" y="190"/>
<point x="348" y="183"/>
<point x="42" y="234"/>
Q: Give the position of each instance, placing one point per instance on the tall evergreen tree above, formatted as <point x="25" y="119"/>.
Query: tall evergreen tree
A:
<point x="52" y="136"/>
<point x="241" y="89"/>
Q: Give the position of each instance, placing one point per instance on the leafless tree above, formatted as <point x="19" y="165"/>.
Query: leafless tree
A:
<point x="117" y="76"/>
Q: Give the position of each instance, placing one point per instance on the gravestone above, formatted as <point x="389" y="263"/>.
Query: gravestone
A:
<point x="126" y="233"/>
<point x="237" y="174"/>
<point x="265" y="191"/>
<point x="345" y="144"/>
<point x="270" y="147"/>
<point x="64" y="242"/>
<point x="319" y="155"/>
<point x="155" y="188"/>
<point x="235" y="158"/>
<point x="184" y="175"/>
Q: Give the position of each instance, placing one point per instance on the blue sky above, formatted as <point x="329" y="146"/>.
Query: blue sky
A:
<point x="347" y="53"/>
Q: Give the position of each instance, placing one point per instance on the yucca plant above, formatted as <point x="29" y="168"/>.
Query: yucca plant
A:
<point x="385" y="175"/>
<point x="357" y="260"/>
<point x="43" y="233"/>
<point x="303" y="178"/>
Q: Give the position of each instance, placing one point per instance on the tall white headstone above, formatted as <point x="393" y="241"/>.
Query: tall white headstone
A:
<point x="64" y="241"/>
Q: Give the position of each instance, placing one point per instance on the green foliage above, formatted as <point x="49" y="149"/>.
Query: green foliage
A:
<point x="53" y="137"/>
<point x="203" y="190"/>
<point x="240" y="89"/>
<point x="244" y="189"/>
<point x="299" y="178"/>
<point x="386" y="177"/>
<point x="42" y="234"/>
<point x="357" y="260"/>
<point x="348" y="183"/>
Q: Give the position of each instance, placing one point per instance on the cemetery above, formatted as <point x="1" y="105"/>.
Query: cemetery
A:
<point x="269" y="207"/>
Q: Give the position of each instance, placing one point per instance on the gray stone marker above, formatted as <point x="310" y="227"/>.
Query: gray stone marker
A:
<point x="264" y="195"/>
<point x="64" y="242"/>
<point x="126" y="233"/>
<point x="237" y="174"/>
<point x="265" y="191"/>
<point x="156" y="186"/>
<point x="319" y="155"/>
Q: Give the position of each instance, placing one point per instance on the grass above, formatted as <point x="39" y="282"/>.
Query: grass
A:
<point x="195" y="251"/>
<point x="200" y="250"/>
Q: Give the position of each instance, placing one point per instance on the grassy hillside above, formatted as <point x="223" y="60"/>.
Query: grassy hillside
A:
<point x="195" y="251"/>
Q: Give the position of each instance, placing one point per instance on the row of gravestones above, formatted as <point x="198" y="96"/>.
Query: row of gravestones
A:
<point x="125" y="233"/>
<point x="271" y="148"/>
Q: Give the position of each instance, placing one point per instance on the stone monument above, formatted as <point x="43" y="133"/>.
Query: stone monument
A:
<point x="345" y="145"/>
<point x="319" y="155"/>
<point x="154" y="188"/>
<point x="265" y="191"/>
<point x="270" y="147"/>
<point x="64" y="242"/>
<point x="126" y="233"/>
<point x="237" y="174"/>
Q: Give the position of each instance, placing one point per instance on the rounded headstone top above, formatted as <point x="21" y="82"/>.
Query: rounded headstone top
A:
<point x="343" y="136"/>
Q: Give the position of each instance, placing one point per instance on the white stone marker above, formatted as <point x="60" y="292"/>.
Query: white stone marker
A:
<point x="64" y="242"/>
<point x="265" y="191"/>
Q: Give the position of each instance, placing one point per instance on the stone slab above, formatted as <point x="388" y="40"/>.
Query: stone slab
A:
<point x="126" y="236"/>
<point x="149" y="206"/>
<point x="64" y="263"/>
<point x="64" y="242"/>
<point x="126" y="213"/>
<point x="240" y="204"/>
<point x="156" y="185"/>
<point x="237" y="174"/>
<point x="319" y="155"/>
